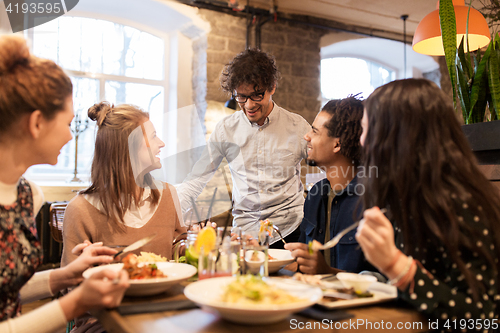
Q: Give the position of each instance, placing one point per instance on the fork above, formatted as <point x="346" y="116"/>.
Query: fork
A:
<point x="335" y="240"/>
<point x="279" y="233"/>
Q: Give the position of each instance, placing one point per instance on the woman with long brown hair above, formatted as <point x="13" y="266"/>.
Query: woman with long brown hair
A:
<point x="36" y="109"/>
<point x="124" y="202"/>
<point x="442" y="242"/>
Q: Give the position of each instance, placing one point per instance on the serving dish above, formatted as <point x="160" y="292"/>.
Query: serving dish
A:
<point x="381" y="293"/>
<point x="175" y="273"/>
<point x="208" y="293"/>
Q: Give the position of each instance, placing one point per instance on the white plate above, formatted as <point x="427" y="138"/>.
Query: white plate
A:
<point x="283" y="258"/>
<point x="207" y="294"/>
<point x="381" y="293"/>
<point x="175" y="273"/>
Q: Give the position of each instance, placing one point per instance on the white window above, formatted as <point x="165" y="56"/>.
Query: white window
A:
<point x="342" y="76"/>
<point x="106" y="61"/>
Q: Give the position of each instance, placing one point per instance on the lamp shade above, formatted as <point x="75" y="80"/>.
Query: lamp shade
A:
<point x="427" y="38"/>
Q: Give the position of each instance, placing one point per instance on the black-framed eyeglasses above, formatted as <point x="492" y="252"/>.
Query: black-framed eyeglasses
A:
<point x="256" y="97"/>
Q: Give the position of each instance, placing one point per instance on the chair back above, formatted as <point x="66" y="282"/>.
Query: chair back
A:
<point x="57" y="210"/>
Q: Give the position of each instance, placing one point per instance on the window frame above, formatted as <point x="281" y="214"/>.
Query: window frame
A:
<point x="54" y="178"/>
<point x="368" y="60"/>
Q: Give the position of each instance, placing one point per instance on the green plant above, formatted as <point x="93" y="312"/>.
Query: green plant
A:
<point x="475" y="77"/>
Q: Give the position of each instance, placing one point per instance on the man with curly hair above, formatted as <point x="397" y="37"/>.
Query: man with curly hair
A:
<point x="333" y="145"/>
<point x="264" y="146"/>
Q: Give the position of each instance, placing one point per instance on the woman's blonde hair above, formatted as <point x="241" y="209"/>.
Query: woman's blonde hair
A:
<point x="28" y="83"/>
<point x="112" y="175"/>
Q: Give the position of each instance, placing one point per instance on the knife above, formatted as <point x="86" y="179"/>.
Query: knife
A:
<point x="136" y="245"/>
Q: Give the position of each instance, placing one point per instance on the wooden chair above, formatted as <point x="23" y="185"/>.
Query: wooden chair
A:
<point x="57" y="210"/>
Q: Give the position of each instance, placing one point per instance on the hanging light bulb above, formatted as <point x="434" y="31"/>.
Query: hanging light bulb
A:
<point x="427" y="38"/>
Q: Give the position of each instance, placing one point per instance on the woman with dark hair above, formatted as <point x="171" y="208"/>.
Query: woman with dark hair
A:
<point x="36" y="108"/>
<point x="124" y="202"/>
<point x="441" y="243"/>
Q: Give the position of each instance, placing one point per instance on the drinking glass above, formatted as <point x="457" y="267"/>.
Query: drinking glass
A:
<point x="218" y="261"/>
<point x="188" y="244"/>
<point x="256" y="257"/>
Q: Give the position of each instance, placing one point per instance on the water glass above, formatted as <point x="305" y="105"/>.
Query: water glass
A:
<point x="217" y="262"/>
<point x="256" y="257"/>
<point x="188" y="244"/>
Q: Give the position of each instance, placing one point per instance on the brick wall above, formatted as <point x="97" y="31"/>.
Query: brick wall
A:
<point x="200" y="76"/>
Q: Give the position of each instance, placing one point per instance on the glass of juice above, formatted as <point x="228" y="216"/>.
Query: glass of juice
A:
<point x="217" y="261"/>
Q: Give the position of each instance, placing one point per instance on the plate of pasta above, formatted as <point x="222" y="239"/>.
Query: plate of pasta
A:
<point x="149" y="278"/>
<point x="251" y="300"/>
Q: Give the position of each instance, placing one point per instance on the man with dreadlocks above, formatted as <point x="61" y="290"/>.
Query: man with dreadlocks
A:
<point x="332" y="145"/>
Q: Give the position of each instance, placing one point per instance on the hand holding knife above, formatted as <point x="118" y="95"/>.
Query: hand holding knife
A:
<point x="136" y="245"/>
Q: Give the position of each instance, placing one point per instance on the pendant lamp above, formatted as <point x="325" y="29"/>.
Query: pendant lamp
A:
<point x="427" y="38"/>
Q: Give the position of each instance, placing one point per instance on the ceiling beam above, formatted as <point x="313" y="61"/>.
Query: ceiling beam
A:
<point x="316" y="22"/>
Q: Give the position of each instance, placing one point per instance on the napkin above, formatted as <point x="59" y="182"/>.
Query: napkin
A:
<point x="155" y="307"/>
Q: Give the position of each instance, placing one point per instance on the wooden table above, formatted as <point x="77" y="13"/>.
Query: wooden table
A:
<point x="370" y="319"/>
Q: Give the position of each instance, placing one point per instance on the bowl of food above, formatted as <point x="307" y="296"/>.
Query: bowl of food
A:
<point x="252" y="300"/>
<point x="278" y="259"/>
<point x="360" y="283"/>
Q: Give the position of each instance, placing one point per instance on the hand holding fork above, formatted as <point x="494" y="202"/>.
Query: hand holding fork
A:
<point x="316" y="246"/>
<point x="275" y="228"/>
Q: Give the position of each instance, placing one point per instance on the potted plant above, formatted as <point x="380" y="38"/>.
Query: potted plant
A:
<point x="475" y="81"/>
